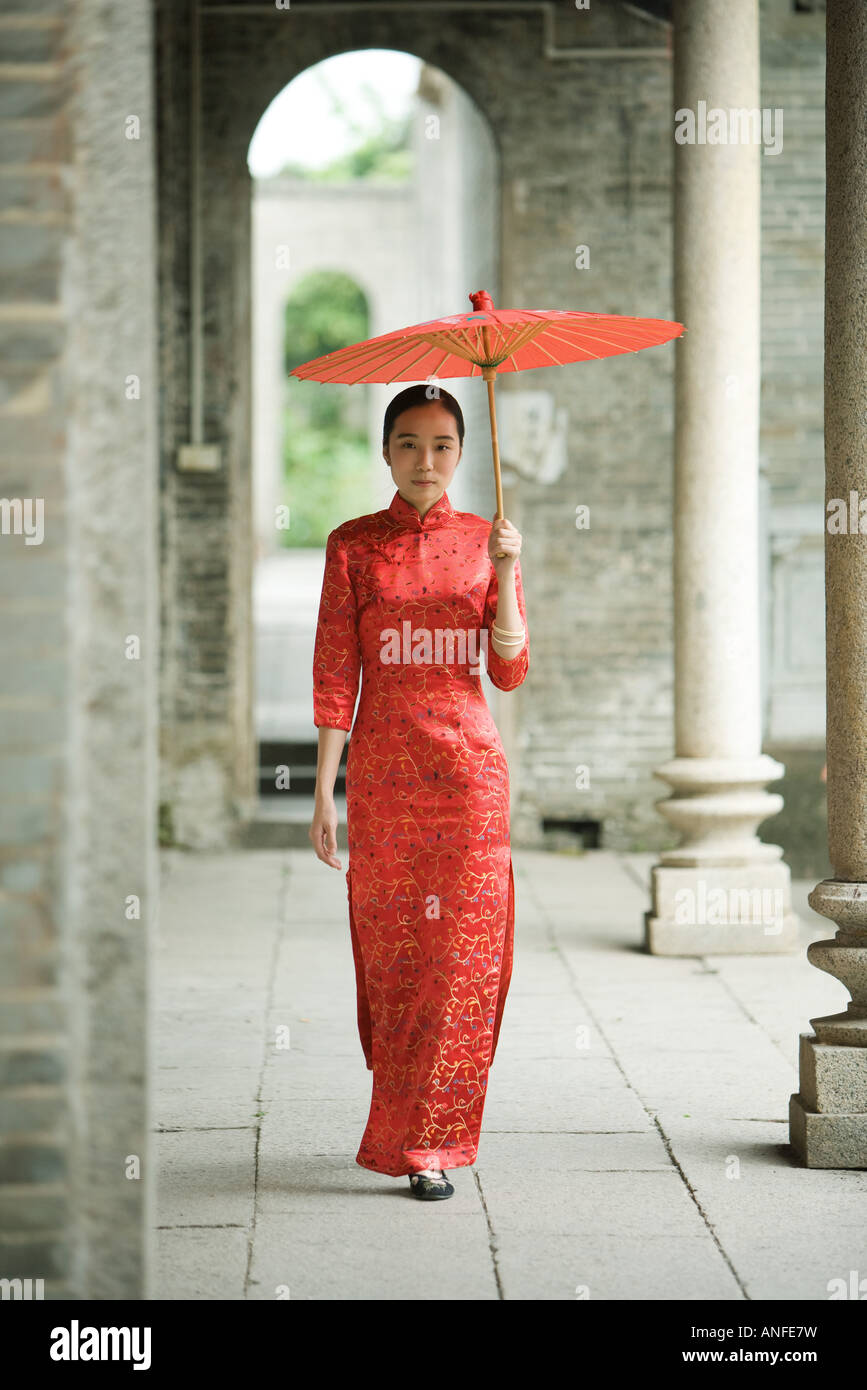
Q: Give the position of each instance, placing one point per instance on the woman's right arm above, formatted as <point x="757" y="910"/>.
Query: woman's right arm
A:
<point x="323" y="830"/>
<point x="336" y="676"/>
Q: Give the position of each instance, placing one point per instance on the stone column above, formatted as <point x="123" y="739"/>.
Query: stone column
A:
<point x="828" y="1116"/>
<point x="721" y="890"/>
<point x="108" y="884"/>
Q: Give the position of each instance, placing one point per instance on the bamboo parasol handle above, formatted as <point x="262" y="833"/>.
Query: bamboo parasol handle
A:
<point x="490" y="375"/>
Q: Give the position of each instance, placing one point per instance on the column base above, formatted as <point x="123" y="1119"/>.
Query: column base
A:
<point x="828" y="1116"/>
<point x="725" y="910"/>
<point x="827" y="1141"/>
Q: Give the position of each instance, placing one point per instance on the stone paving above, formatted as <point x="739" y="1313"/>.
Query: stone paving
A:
<point x="635" y="1138"/>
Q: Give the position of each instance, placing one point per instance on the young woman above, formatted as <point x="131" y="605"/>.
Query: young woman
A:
<point x="411" y="597"/>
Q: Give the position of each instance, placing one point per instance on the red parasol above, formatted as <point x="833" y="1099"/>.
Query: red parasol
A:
<point x="486" y="342"/>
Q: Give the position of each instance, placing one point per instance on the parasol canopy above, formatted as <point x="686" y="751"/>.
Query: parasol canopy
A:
<point x="486" y="342"/>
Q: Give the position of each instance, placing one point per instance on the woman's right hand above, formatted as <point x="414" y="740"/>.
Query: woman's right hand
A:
<point x="323" y="831"/>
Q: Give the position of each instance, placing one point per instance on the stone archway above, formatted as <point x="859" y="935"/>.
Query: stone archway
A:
<point x="208" y="736"/>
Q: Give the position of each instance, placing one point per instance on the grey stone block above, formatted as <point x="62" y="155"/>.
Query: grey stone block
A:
<point x="31" y="1257"/>
<point x="33" y="1209"/>
<point x="23" y="1065"/>
<point x="32" y="1162"/>
<point x="731" y="911"/>
<point x="827" y="1141"/>
<point x="833" y="1079"/>
<point x="41" y="1110"/>
<point x="42" y="1012"/>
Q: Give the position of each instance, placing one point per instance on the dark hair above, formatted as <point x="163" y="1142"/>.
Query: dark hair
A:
<point x="421" y="395"/>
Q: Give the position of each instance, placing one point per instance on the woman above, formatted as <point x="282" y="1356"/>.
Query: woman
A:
<point x="409" y="597"/>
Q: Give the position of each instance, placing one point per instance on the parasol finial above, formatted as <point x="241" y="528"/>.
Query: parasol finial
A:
<point x="482" y="302"/>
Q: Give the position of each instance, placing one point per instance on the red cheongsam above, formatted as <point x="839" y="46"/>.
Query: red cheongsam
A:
<point x="430" y="885"/>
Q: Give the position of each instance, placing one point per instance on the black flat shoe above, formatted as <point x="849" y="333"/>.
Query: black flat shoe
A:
<point x="430" y="1189"/>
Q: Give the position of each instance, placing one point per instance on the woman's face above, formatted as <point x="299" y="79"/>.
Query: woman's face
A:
<point x="423" y="452"/>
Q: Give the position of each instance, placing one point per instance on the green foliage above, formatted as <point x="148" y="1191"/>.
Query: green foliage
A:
<point x="326" y="479"/>
<point x="369" y="161"/>
<point x="326" y="450"/>
<point x="326" y="310"/>
<point x="165" y="825"/>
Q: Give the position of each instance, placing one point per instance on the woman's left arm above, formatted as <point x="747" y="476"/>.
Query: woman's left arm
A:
<point x="507" y="614"/>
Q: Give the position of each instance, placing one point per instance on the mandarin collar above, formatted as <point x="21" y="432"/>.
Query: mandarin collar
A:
<point x="403" y="511"/>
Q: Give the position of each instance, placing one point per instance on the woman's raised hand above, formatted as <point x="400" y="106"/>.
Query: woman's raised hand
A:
<point x="504" y="545"/>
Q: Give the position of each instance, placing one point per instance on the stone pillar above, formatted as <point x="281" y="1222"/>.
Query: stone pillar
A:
<point x="79" y="647"/>
<point x="721" y="890"/>
<point x="828" y="1116"/>
<point x="110" y="879"/>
